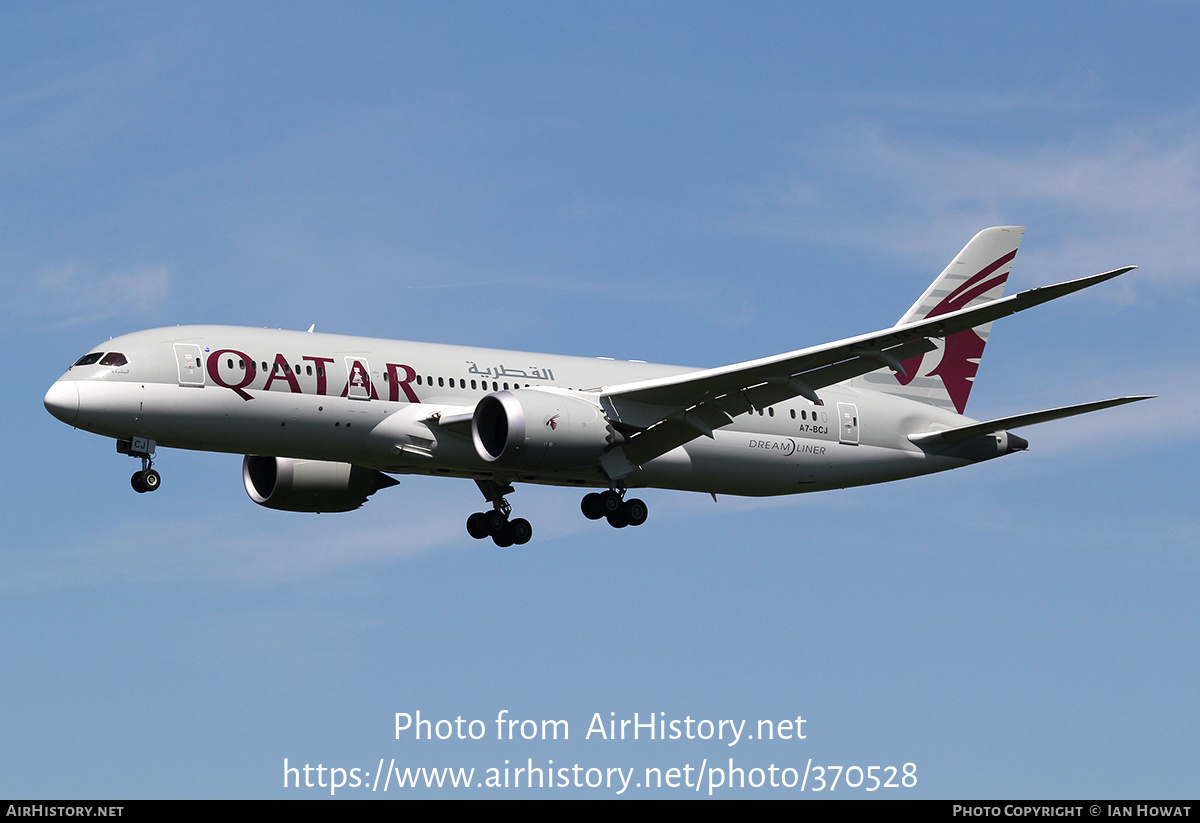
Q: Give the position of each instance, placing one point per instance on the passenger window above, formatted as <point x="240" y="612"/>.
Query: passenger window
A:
<point x="114" y="358"/>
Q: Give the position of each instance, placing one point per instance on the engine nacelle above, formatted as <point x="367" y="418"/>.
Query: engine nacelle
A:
<point x="310" y="485"/>
<point x="535" y="428"/>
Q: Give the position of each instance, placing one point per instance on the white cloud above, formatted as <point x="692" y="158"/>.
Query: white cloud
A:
<point x="222" y="549"/>
<point x="71" y="295"/>
<point x="1117" y="195"/>
<point x="1168" y="417"/>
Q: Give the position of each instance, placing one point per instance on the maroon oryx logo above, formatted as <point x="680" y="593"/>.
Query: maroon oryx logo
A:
<point x="552" y="422"/>
<point x="962" y="351"/>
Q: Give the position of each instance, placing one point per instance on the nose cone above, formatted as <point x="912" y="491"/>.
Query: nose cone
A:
<point x="62" y="400"/>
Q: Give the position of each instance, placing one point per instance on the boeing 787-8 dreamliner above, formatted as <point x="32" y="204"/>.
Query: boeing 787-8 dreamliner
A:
<point x="326" y="420"/>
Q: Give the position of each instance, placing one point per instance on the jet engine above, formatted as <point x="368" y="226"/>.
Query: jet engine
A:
<point x="310" y="485"/>
<point x="533" y="428"/>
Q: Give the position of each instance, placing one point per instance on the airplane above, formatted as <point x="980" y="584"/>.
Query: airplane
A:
<point x="325" y="421"/>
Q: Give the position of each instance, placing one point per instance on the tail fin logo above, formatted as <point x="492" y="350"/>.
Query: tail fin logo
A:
<point x="961" y="352"/>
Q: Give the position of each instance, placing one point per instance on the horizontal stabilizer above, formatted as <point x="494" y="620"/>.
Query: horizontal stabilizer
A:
<point x="1018" y="420"/>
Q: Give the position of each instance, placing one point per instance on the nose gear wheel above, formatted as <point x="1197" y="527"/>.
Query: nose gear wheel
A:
<point x="146" y="480"/>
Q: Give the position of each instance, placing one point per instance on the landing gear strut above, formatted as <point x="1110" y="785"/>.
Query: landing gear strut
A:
<point x="146" y="480"/>
<point x="495" y="524"/>
<point x="612" y="506"/>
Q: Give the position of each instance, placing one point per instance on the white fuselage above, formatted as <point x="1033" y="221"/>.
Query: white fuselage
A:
<point x="369" y="402"/>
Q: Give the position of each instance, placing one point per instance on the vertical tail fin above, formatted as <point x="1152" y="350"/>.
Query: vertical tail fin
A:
<point x="944" y="377"/>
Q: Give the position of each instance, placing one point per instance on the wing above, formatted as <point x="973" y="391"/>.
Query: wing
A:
<point x="662" y="414"/>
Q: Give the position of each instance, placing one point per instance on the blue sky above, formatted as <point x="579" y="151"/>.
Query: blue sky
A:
<point x="690" y="183"/>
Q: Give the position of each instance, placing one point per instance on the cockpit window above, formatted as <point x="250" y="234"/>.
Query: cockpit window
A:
<point x="89" y="359"/>
<point x="114" y="358"/>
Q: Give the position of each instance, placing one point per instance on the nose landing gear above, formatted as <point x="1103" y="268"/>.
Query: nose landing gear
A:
<point x="146" y="480"/>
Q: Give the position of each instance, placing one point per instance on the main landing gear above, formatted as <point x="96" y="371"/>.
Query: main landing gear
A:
<point x="612" y="506"/>
<point x="495" y="524"/>
<point x="146" y="480"/>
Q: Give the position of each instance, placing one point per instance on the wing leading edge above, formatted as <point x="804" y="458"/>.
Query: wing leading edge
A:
<point x="662" y="414"/>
